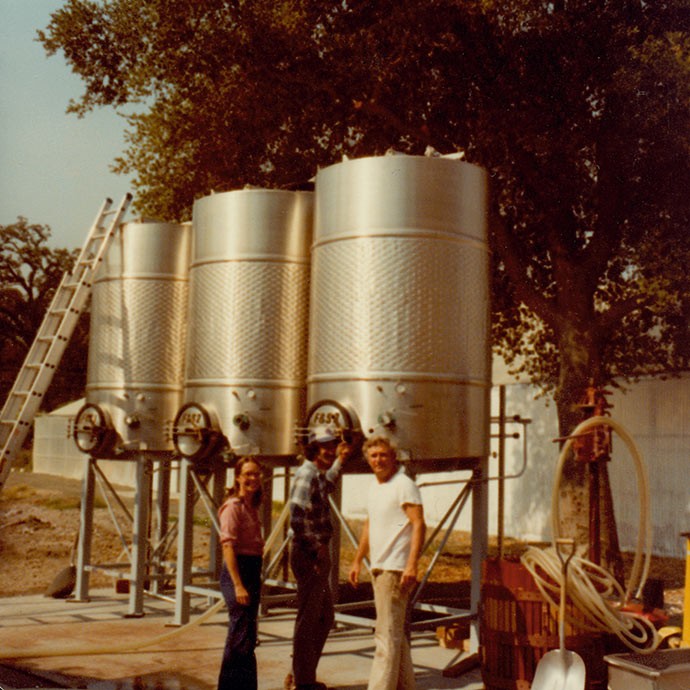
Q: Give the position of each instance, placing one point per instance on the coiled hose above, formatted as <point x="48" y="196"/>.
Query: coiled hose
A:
<point x="594" y="591"/>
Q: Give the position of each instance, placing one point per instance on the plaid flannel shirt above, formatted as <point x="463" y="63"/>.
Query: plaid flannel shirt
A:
<point x="310" y="513"/>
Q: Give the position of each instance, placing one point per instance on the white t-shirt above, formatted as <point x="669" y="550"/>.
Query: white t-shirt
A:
<point x="390" y="531"/>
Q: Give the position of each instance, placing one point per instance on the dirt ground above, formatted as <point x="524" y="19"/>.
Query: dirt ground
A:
<point x="39" y="522"/>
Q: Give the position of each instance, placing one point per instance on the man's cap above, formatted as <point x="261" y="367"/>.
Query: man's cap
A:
<point x="323" y="434"/>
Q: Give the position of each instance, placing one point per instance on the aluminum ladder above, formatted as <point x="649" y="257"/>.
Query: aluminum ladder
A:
<point x="54" y="334"/>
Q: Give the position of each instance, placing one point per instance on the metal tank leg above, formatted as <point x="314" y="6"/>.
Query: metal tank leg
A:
<point x="480" y="544"/>
<point x="140" y="537"/>
<point x="267" y="501"/>
<point x="162" y="514"/>
<point x="184" y="544"/>
<point x="220" y="474"/>
<point x="81" y="592"/>
<point x="337" y="500"/>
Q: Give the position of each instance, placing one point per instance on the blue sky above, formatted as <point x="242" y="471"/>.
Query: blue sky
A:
<point x="54" y="167"/>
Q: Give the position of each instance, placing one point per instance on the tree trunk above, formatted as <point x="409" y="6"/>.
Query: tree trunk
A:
<point x="587" y="511"/>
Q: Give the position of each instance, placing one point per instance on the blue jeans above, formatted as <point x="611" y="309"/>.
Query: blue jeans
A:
<point x="315" y="614"/>
<point x="238" y="668"/>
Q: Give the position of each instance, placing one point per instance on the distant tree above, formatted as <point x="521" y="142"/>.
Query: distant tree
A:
<point x="30" y="271"/>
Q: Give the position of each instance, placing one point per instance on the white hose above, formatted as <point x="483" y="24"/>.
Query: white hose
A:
<point x="591" y="588"/>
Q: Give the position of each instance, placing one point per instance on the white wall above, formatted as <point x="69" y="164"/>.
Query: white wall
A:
<point x="657" y="416"/>
<point x="528" y="496"/>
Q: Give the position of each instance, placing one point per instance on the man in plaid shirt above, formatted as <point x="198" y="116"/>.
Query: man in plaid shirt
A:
<point x="311" y="528"/>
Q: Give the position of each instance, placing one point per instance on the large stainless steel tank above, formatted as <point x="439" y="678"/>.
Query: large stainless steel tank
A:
<point x="399" y="326"/>
<point x="136" y="344"/>
<point x="247" y="347"/>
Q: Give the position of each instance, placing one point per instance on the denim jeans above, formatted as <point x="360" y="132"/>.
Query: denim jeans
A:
<point x="315" y="615"/>
<point x="392" y="667"/>
<point x="238" y="668"/>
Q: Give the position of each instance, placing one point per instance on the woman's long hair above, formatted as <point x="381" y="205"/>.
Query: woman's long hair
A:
<point x="235" y="489"/>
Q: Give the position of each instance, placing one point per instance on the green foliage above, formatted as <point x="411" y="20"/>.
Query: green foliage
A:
<point x="579" y="109"/>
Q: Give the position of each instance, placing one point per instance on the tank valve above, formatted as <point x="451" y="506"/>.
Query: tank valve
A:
<point x="241" y="421"/>
<point x="386" y="419"/>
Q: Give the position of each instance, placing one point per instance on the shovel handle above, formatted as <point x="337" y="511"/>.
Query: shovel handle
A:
<point x="559" y="544"/>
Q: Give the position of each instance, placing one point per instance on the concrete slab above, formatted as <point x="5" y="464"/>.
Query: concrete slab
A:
<point x="48" y="643"/>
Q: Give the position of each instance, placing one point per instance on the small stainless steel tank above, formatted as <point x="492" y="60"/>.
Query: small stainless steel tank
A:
<point x="399" y="325"/>
<point x="249" y="303"/>
<point x="136" y="342"/>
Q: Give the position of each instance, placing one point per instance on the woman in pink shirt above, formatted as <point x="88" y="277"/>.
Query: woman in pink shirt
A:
<point x="240" y="579"/>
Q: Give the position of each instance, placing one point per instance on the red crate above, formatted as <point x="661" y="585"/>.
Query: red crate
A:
<point x="517" y="627"/>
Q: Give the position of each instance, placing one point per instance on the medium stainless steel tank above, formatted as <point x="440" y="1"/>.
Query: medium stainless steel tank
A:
<point x="399" y="325"/>
<point x="249" y="304"/>
<point x="135" y="370"/>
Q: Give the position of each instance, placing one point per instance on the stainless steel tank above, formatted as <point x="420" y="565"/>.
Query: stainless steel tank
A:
<point x="247" y="347"/>
<point x="399" y="325"/>
<point x="135" y="370"/>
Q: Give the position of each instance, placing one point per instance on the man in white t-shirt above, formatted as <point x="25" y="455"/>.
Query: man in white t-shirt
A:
<point x="393" y="534"/>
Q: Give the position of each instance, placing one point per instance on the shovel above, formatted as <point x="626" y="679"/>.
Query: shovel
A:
<point x="64" y="582"/>
<point x="561" y="669"/>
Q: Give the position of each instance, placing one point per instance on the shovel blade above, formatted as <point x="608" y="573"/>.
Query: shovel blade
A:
<point x="63" y="584"/>
<point x="560" y="670"/>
